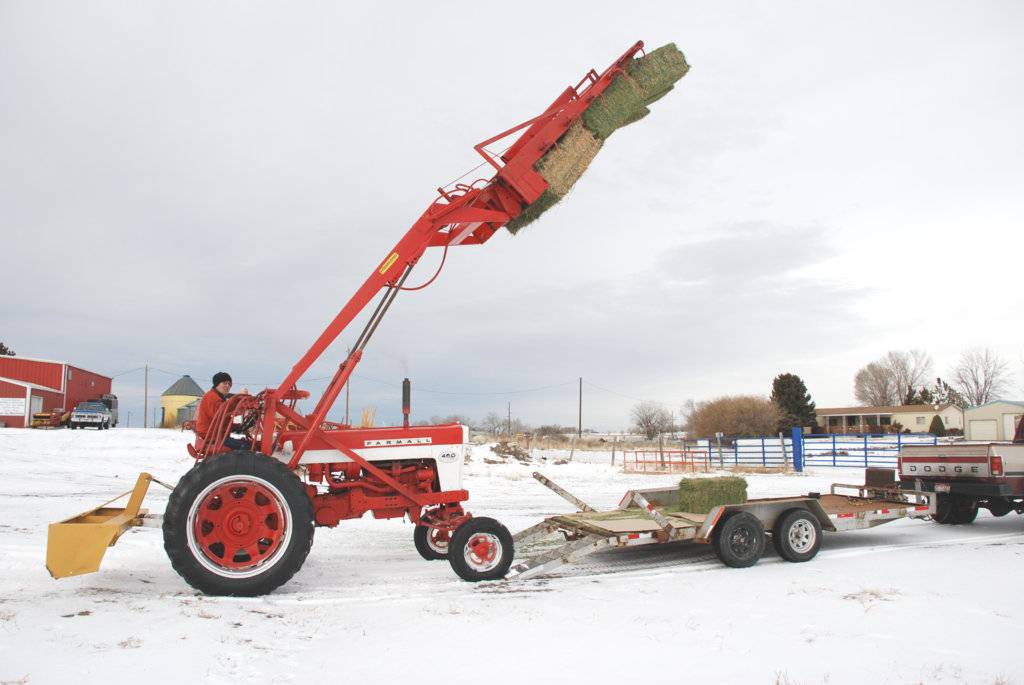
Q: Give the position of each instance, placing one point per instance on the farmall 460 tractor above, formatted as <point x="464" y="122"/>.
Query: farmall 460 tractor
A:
<point x="241" y="521"/>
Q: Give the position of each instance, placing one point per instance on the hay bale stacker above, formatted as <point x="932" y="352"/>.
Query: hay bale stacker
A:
<point x="241" y="522"/>
<point x="737" y="532"/>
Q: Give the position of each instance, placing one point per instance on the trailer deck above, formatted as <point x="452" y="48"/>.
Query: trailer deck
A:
<point x="652" y="516"/>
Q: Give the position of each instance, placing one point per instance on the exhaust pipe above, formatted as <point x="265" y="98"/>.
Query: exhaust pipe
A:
<point x="406" y="401"/>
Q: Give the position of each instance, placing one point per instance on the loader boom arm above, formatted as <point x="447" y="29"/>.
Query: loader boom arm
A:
<point x="461" y="215"/>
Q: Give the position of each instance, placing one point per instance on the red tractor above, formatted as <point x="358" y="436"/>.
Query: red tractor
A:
<point x="241" y="522"/>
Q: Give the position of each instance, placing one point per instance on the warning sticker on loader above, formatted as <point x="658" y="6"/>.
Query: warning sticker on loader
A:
<point x="388" y="263"/>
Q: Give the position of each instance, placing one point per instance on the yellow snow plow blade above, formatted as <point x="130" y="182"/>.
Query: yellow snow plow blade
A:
<point x="77" y="545"/>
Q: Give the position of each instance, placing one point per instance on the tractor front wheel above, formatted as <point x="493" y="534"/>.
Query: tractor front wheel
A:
<point x="431" y="543"/>
<point x="480" y="549"/>
<point x="238" y="524"/>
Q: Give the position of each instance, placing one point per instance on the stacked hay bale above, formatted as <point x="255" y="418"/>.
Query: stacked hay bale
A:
<point x="700" y="495"/>
<point x="625" y="100"/>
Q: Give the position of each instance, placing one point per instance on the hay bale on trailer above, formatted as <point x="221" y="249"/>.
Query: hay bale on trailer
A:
<point x="700" y="495"/>
<point x="625" y="101"/>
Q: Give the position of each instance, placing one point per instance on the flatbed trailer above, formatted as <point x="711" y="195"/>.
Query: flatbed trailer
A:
<point x="737" y="532"/>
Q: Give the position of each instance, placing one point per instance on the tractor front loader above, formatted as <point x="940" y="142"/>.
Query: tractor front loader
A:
<point x="241" y="521"/>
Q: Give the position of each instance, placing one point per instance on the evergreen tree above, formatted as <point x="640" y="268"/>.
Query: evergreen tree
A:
<point x="920" y="396"/>
<point x="943" y="394"/>
<point x="937" y="427"/>
<point x="6" y="351"/>
<point x="790" y="394"/>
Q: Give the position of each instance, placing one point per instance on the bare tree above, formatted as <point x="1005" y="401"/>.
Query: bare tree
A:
<point x="650" y="418"/>
<point x="451" y="418"/>
<point x="980" y="375"/>
<point x="893" y="379"/>
<point x="909" y="371"/>
<point x="494" y="423"/>
<point x="735" y="416"/>
<point x="873" y="386"/>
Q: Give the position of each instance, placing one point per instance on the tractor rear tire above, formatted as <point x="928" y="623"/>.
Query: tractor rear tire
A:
<point x="481" y="549"/>
<point x="238" y="524"/>
<point x="427" y="544"/>
<point x="739" y="540"/>
<point x="797" y="535"/>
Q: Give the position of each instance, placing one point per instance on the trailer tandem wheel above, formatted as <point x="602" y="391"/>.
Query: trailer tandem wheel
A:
<point x="238" y="524"/>
<point x="481" y="549"/>
<point x="797" y="535"/>
<point x="739" y="540"/>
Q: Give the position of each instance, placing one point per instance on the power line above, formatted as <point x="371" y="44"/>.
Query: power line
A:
<point x="169" y="373"/>
<point x="628" y="397"/>
<point x="461" y="393"/>
<point x="124" y="373"/>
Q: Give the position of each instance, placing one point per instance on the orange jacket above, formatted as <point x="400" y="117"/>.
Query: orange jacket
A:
<point x="208" y="407"/>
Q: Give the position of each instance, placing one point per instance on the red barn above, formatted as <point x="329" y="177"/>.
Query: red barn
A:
<point x="30" y="385"/>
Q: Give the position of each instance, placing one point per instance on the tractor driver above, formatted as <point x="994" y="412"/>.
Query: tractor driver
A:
<point x="209" y="405"/>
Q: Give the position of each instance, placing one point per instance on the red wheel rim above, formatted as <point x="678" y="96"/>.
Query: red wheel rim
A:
<point x="482" y="551"/>
<point x="438" y="539"/>
<point x="239" y="524"/>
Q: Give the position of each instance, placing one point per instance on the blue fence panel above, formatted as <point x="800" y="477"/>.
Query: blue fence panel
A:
<point x="860" y="450"/>
<point x="856" y="451"/>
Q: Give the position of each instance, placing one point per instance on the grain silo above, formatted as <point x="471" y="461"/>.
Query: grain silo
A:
<point x="183" y="392"/>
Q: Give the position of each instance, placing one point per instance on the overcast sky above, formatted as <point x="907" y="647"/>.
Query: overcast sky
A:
<point x="200" y="186"/>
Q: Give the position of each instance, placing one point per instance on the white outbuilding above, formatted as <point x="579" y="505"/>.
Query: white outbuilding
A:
<point x="993" y="421"/>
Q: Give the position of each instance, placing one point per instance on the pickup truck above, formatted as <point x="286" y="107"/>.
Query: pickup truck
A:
<point x="966" y="477"/>
<point x="93" y="413"/>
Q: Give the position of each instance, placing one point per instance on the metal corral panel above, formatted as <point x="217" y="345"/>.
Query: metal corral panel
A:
<point x="37" y="371"/>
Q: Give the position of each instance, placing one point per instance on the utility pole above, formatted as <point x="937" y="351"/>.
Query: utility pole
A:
<point x="510" y="420"/>
<point x="579" y="424"/>
<point x="145" y="399"/>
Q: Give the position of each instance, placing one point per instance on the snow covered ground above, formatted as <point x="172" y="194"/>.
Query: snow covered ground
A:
<point x="910" y="602"/>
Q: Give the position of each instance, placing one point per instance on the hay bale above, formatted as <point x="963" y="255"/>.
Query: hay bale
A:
<point x="561" y="167"/>
<point x="700" y="495"/>
<point x="624" y="101"/>
<point x="647" y="79"/>
<point x="532" y="212"/>
<point x="621" y="102"/>
<point x="658" y="71"/>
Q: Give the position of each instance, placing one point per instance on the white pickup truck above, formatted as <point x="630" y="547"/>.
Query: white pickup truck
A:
<point x="965" y="477"/>
<point x="92" y="413"/>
